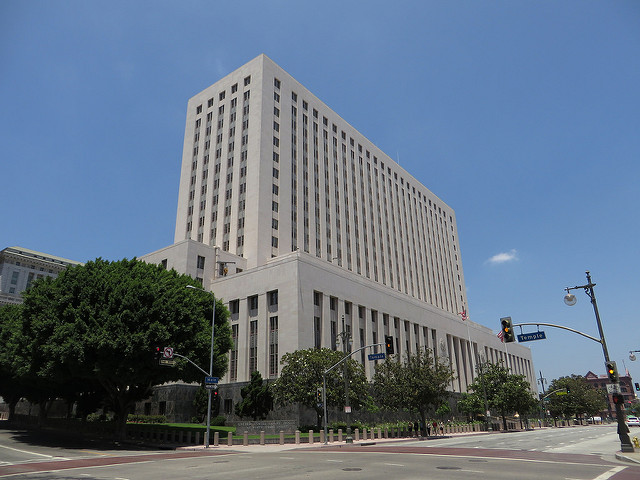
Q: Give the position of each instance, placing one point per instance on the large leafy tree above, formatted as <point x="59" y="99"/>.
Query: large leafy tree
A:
<point x="11" y="386"/>
<point x="506" y="393"/>
<point x="419" y="383"/>
<point x="257" y="399"/>
<point x="301" y="376"/>
<point x="100" y="323"/>
<point x="580" y="398"/>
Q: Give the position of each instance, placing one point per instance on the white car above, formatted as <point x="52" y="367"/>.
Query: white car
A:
<point x="633" y="421"/>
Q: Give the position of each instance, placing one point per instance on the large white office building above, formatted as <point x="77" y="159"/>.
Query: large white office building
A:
<point x="19" y="267"/>
<point x="306" y="229"/>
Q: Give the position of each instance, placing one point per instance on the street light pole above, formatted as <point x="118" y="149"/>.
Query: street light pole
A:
<point x="213" y="322"/>
<point x="345" y="337"/>
<point x="570" y="299"/>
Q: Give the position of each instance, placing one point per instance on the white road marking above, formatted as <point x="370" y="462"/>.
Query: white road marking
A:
<point x="26" y="451"/>
<point x="610" y="473"/>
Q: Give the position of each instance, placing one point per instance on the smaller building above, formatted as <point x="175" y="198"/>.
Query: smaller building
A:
<point x="626" y="388"/>
<point x="19" y="267"/>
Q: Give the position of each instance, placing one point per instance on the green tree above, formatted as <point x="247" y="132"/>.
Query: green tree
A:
<point x="301" y="376"/>
<point x="581" y="398"/>
<point x="471" y="404"/>
<point x="417" y="384"/>
<point x="101" y="321"/>
<point x="11" y="386"/>
<point x="257" y="399"/>
<point x="506" y="393"/>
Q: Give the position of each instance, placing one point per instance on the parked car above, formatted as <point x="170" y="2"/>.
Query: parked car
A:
<point x="633" y="421"/>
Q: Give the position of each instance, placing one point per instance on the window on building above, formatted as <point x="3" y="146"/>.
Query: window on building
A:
<point x="200" y="262"/>
<point x="253" y="346"/>
<point x="234" y="307"/>
<point x="273" y="346"/>
<point x="272" y="297"/>
<point x="253" y="302"/>
<point x="317" y="332"/>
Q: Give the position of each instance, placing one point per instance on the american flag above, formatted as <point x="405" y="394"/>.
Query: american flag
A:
<point x="463" y="314"/>
<point x="500" y="335"/>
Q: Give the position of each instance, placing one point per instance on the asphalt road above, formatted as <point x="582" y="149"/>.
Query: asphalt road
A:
<point x="534" y="455"/>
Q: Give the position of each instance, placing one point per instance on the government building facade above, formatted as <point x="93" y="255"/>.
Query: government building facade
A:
<point x="311" y="235"/>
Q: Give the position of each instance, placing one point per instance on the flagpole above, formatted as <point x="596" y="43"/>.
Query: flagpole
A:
<point x="465" y="317"/>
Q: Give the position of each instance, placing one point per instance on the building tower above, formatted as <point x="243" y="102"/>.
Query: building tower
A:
<point x="306" y="229"/>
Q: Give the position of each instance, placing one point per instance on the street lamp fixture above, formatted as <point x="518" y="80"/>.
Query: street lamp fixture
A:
<point x="213" y="321"/>
<point x="571" y="300"/>
<point x="632" y="355"/>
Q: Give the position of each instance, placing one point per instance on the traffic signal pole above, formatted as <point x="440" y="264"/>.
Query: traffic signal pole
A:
<point x="623" y="430"/>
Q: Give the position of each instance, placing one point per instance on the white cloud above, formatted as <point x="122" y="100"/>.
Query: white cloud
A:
<point x="504" y="257"/>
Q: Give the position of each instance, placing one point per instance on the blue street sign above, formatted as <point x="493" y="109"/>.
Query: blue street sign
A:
<point x="527" y="337"/>
<point x="211" y="380"/>
<point x="377" y="356"/>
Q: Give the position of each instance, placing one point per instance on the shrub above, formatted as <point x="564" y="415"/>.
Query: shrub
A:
<point x="147" y="419"/>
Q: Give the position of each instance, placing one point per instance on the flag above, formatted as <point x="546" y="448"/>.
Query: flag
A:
<point x="500" y="335"/>
<point x="463" y="314"/>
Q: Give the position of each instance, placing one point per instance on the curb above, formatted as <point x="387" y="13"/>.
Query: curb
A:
<point x="626" y="458"/>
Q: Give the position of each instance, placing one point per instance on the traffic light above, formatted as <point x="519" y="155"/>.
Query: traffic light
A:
<point x="388" y="344"/>
<point x="158" y="353"/>
<point x="507" y="330"/>
<point x="612" y="372"/>
<point x="637" y="387"/>
<point x="214" y="392"/>
<point x="319" y="396"/>
<point x="618" y="399"/>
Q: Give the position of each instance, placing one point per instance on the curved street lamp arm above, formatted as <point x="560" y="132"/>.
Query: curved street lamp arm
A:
<point x="182" y="356"/>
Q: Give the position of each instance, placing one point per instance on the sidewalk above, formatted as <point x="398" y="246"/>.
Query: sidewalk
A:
<point x="633" y="457"/>
<point x="276" y="447"/>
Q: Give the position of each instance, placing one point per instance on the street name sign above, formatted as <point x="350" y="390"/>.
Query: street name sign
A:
<point x="527" y="337"/>
<point x="377" y="356"/>
<point x="211" y="380"/>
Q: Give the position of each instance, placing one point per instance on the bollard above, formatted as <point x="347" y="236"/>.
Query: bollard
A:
<point x="297" y="437"/>
<point x="364" y="433"/>
<point x="357" y="432"/>
<point x="321" y="436"/>
<point x="339" y="435"/>
<point x="379" y="432"/>
<point x="245" y="438"/>
<point x="197" y="438"/>
<point x="331" y="435"/>
<point x="386" y="432"/>
<point x="281" y="437"/>
<point x="216" y="439"/>
<point x="261" y="437"/>
<point x="310" y="436"/>
<point x="229" y="439"/>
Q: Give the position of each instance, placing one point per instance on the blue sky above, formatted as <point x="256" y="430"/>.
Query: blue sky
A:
<point x="524" y="116"/>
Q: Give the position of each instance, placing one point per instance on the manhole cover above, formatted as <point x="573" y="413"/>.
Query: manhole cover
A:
<point x="352" y="469"/>
<point x="449" y="468"/>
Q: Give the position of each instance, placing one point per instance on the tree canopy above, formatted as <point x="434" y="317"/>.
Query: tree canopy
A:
<point x="418" y="384"/>
<point x="97" y="326"/>
<point x="581" y="398"/>
<point x="257" y="399"/>
<point x="301" y="376"/>
<point x="506" y="393"/>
